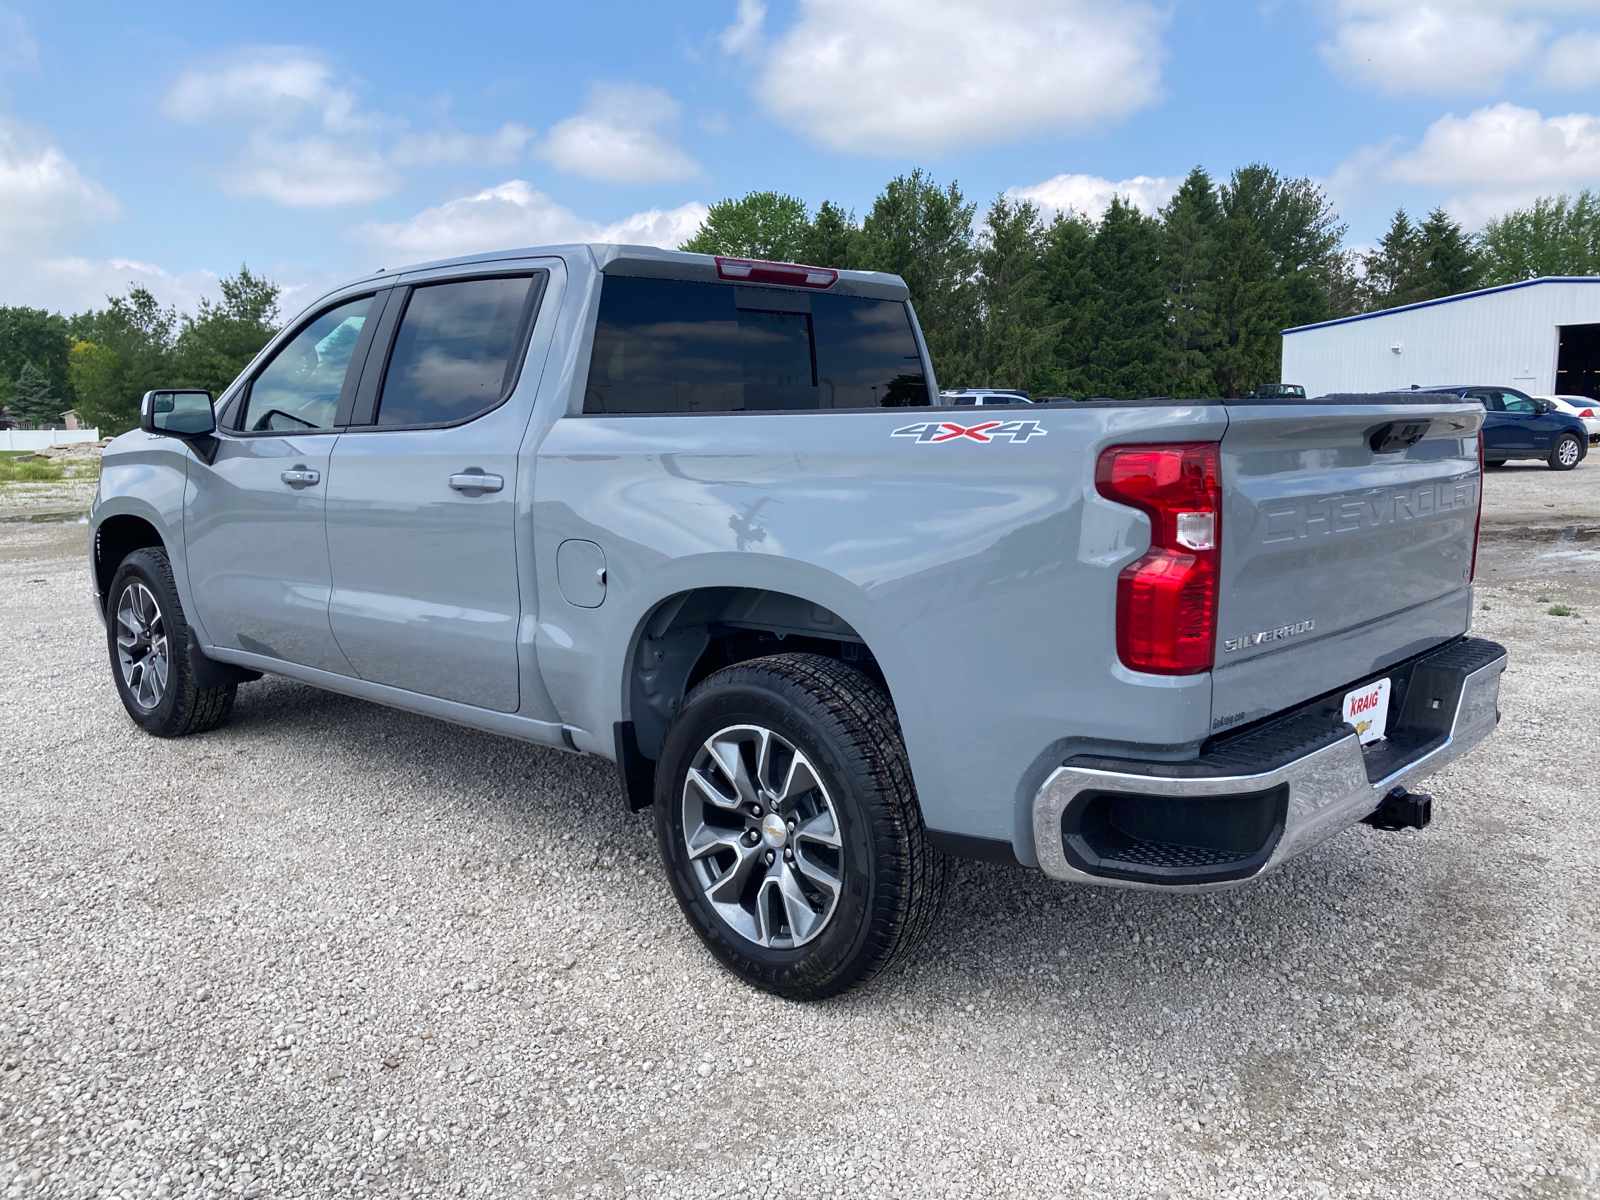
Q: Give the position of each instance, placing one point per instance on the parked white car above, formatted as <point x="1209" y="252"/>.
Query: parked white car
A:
<point x="1585" y="409"/>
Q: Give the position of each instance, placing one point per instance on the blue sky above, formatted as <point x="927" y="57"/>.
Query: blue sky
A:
<point x="317" y="141"/>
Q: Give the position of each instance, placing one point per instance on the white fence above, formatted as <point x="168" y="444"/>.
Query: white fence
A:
<point x="43" y="439"/>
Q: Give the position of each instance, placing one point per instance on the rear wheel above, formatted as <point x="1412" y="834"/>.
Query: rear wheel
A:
<point x="1566" y="452"/>
<point x="790" y="829"/>
<point x="148" y="639"/>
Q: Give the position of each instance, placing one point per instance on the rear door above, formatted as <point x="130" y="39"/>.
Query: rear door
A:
<point x="422" y="493"/>
<point x="1347" y="540"/>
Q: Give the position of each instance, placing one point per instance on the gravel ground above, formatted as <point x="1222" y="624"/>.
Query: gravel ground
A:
<point x="337" y="950"/>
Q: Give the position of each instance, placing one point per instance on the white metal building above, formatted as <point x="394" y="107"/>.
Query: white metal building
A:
<point x="1542" y="337"/>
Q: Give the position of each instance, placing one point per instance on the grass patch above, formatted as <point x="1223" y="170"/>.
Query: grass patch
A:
<point x="36" y="471"/>
<point x="1559" y="610"/>
<point x="1485" y="608"/>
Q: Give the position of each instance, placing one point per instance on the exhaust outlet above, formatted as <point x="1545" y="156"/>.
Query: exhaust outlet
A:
<point x="1401" y="810"/>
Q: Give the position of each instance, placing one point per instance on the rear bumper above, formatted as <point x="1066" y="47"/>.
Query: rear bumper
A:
<point x="1256" y="799"/>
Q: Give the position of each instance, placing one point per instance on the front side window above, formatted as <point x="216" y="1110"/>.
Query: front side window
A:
<point x="299" y="388"/>
<point x="456" y="352"/>
<point x="664" y="345"/>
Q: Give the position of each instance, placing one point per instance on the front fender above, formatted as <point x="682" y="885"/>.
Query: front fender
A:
<point x="145" y="476"/>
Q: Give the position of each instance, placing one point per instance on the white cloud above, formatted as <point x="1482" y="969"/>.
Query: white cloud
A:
<point x="45" y="202"/>
<point x="621" y="137"/>
<point x="513" y="214"/>
<point x="888" y="77"/>
<point x="1493" y="159"/>
<point x="504" y="145"/>
<point x="1442" y="48"/>
<point x="304" y="139"/>
<point x="1573" y="63"/>
<point x="744" y="35"/>
<point x="1090" y="196"/>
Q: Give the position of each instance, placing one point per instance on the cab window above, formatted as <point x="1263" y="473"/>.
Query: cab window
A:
<point x="667" y="345"/>
<point x="298" y="390"/>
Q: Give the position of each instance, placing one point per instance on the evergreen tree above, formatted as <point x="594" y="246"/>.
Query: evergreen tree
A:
<point x="830" y="239"/>
<point x="766" y="225"/>
<point x="1251" y="308"/>
<point x="1129" y="356"/>
<point x="923" y="233"/>
<point x="1016" y="335"/>
<point x="1449" y="261"/>
<point x="1072" y="303"/>
<point x="1393" y="270"/>
<point x="32" y="335"/>
<point x="1301" y="232"/>
<point x="1187" y="247"/>
<point x="33" y="399"/>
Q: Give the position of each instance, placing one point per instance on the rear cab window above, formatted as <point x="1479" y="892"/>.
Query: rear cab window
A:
<point x="666" y="345"/>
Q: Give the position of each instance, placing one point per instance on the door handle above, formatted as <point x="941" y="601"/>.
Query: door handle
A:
<point x="302" y="476"/>
<point x="477" y="481"/>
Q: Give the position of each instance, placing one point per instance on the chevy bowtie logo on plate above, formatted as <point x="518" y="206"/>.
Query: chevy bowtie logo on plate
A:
<point x="986" y="431"/>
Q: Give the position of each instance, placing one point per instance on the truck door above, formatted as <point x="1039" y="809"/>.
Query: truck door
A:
<point x="253" y="519"/>
<point x="422" y="494"/>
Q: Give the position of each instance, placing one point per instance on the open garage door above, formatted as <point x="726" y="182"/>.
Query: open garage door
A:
<point x="1578" y="364"/>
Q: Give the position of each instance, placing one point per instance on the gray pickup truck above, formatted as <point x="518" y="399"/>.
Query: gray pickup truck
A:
<point x="697" y="515"/>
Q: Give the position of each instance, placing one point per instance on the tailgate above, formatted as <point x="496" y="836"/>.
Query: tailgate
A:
<point x="1347" y="540"/>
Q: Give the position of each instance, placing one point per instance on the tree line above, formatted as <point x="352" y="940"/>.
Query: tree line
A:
<point x="100" y="362"/>
<point x="1187" y="302"/>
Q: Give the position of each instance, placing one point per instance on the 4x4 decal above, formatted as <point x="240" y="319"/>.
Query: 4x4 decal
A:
<point x="985" y="431"/>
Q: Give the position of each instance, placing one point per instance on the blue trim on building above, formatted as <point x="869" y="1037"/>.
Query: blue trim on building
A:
<point x="1504" y="287"/>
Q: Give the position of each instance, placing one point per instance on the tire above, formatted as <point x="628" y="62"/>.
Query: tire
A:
<point x="1566" y="453"/>
<point x="766" y="908"/>
<point x="148" y="640"/>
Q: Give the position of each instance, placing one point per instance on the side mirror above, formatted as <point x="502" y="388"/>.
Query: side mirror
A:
<point x="1543" y="407"/>
<point x="181" y="414"/>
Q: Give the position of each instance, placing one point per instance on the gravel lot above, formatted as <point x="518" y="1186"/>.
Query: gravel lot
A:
<point x="332" y="949"/>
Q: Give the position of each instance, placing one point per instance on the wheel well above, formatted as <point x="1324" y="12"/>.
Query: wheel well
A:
<point x="692" y="634"/>
<point x="114" y="540"/>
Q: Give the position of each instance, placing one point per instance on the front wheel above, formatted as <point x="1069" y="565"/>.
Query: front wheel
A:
<point x="789" y="826"/>
<point x="149" y="643"/>
<point x="1566" y="452"/>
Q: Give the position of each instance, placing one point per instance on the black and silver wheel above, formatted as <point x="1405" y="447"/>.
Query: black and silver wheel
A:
<point x="1564" y="455"/>
<point x="789" y="826"/>
<point x="148" y="639"/>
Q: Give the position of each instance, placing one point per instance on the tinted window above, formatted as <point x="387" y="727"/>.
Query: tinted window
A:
<point x="456" y="352"/>
<point x="299" y="388"/>
<point x="675" y="346"/>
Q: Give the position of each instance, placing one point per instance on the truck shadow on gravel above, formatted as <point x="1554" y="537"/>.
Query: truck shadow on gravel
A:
<point x="1164" y="964"/>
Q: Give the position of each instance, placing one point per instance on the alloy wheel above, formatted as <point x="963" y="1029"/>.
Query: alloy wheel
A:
<point x="763" y="836"/>
<point x="142" y="650"/>
<point x="1567" y="452"/>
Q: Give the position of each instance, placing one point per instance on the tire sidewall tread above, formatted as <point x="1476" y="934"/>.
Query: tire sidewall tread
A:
<point x="846" y="724"/>
<point x="185" y="708"/>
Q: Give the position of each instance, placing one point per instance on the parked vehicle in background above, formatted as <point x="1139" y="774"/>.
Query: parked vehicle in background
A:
<point x="984" y="396"/>
<point x="1276" y="391"/>
<point x="1585" y="409"/>
<point x="700" y="517"/>
<point x="1518" y="426"/>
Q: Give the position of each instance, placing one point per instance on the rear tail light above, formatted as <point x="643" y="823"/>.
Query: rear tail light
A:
<point x="753" y="270"/>
<point x="1588" y="413"/>
<point x="1477" y="522"/>
<point x="1167" y="601"/>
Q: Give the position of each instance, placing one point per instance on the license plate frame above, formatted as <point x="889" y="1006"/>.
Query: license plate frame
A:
<point x="1367" y="708"/>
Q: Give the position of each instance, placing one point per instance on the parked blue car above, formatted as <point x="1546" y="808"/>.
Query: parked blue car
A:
<point x="1518" y="426"/>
